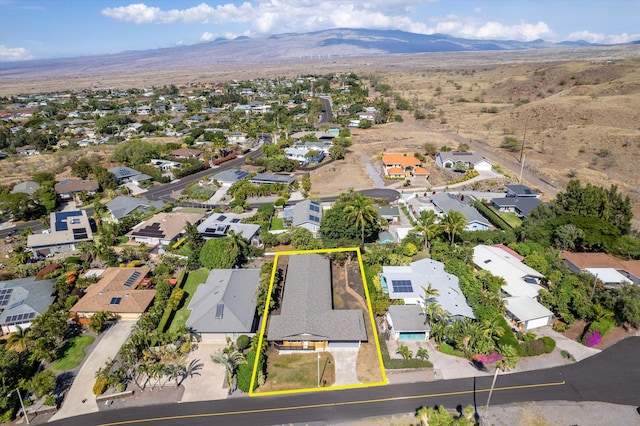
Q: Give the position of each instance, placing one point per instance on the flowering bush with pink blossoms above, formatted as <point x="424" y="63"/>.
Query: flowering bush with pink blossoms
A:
<point x="492" y="357"/>
<point x="592" y="338"/>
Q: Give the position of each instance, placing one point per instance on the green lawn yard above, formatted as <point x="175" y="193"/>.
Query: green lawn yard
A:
<point x="194" y="279"/>
<point x="298" y="371"/>
<point x="511" y="218"/>
<point x="72" y="353"/>
<point x="277" y="224"/>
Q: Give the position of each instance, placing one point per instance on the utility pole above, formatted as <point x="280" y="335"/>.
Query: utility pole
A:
<point x="318" y="369"/>
<point x="593" y="289"/>
<point x="524" y="139"/>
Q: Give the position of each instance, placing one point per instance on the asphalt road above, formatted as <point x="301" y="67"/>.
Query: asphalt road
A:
<point x="611" y="376"/>
<point x="327" y="113"/>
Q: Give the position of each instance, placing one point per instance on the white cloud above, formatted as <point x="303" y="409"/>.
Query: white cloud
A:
<point x="603" y="38"/>
<point x="14" y="53"/>
<point x="140" y="13"/>
<point x="207" y="36"/>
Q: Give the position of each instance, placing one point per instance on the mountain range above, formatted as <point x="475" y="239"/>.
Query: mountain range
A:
<point x="343" y="42"/>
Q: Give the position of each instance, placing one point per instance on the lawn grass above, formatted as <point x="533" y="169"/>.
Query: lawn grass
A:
<point x="72" y="353"/>
<point x="194" y="279"/>
<point x="193" y="209"/>
<point x="277" y="224"/>
<point x="511" y="218"/>
<point x="298" y="371"/>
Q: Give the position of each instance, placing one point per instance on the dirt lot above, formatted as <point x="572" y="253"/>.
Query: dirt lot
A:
<point x="578" y="328"/>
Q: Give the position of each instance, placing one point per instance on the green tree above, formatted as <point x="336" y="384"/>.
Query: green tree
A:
<point x="42" y="383"/>
<point x="306" y="185"/>
<point x="426" y="225"/>
<point x="99" y="321"/>
<point x="19" y="340"/>
<point x="361" y="212"/>
<point x="230" y="360"/>
<point x="404" y="352"/>
<point x="422" y="354"/>
<point x="82" y="168"/>
<point x="511" y="144"/>
<point x="453" y="223"/>
<point x="216" y="253"/>
<point x="303" y="239"/>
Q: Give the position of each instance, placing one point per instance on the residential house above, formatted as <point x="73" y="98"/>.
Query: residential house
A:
<point x="186" y="153"/>
<point x="67" y="229"/>
<point x="521" y="286"/>
<point x="165" y="165"/>
<point x="230" y="176"/>
<point x="472" y="161"/>
<point x="68" y="188"/>
<point x="324" y="147"/>
<point x="522" y="206"/>
<point x="27" y="150"/>
<point x="22" y="300"/>
<point x="307" y="318"/>
<point x="123" y="206"/>
<point x="402" y="165"/>
<point x="127" y="174"/>
<point x="283" y="178"/>
<point x="26" y="187"/>
<point x="303" y="155"/>
<point x="608" y="269"/>
<point x="306" y="214"/>
<point x="237" y="138"/>
<point x="445" y="202"/>
<point x="163" y="228"/>
<point x="117" y="292"/>
<point x="320" y="136"/>
<point x="225" y="305"/>
<point x="195" y="119"/>
<point x="390" y="213"/>
<point x="265" y="138"/>
<point x="219" y="225"/>
<point x="406" y="283"/>
<point x="407" y="323"/>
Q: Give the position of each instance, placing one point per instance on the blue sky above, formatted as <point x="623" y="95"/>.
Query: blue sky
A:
<point x="37" y="29"/>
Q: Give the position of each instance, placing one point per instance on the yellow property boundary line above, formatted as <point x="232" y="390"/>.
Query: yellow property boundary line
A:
<point x="334" y="404"/>
<point x="266" y="313"/>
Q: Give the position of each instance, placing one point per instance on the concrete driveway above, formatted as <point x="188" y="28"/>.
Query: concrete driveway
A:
<point x="82" y="387"/>
<point x="207" y="383"/>
<point x="345" y="365"/>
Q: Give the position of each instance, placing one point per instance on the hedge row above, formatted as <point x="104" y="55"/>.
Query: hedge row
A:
<point x="244" y="372"/>
<point x="544" y="345"/>
<point x="495" y="219"/>
<point x="167" y="315"/>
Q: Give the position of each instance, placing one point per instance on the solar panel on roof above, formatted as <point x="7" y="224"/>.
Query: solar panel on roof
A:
<point x="314" y="218"/>
<point x="314" y="207"/>
<point x="402" y="286"/>
<point x="235" y="220"/>
<point x="115" y="300"/>
<point x="5" y="295"/>
<point x="132" y="278"/>
<point x="222" y="218"/>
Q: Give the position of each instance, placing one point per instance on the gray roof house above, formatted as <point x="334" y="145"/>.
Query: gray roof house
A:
<point x="390" y="213"/>
<point x="307" y="319"/>
<point x="26" y="187"/>
<point x="229" y="177"/>
<point x="406" y="282"/>
<point x="66" y="188"/>
<point x="224" y="306"/>
<point x="306" y="214"/>
<point x="122" y="206"/>
<point x="127" y="174"/>
<point x="445" y="202"/>
<point x="22" y="300"/>
<point x="272" y="178"/>
<point x="522" y="206"/>
<point x="407" y="322"/>
<point x="67" y="229"/>
<point x="219" y="225"/>
<point x="449" y="159"/>
<point x="521" y="191"/>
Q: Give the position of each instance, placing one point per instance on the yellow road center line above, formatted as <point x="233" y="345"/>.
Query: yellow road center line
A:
<point x="332" y="404"/>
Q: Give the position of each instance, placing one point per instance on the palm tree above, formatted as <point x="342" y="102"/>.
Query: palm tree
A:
<point x="361" y="212"/>
<point x="422" y="354"/>
<point x="509" y="360"/>
<point x="432" y="312"/>
<point x="453" y="223"/>
<point x="237" y="243"/>
<point x="19" y="340"/>
<point x="427" y="226"/>
<point x="430" y="292"/>
<point x="230" y="360"/>
<point x="404" y="352"/>
<point x="492" y="328"/>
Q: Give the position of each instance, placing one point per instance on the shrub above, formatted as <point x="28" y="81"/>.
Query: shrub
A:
<point x="245" y="370"/>
<point x="100" y="386"/>
<point x="50" y="400"/>
<point x="567" y="355"/>
<point x="592" y="338"/>
<point x="532" y="348"/>
<point x="446" y="348"/>
<point x="604" y="326"/>
<point x="242" y="342"/>
<point x="549" y="344"/>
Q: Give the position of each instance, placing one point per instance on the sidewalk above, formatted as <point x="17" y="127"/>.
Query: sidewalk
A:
<point x="80" y="398"/>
